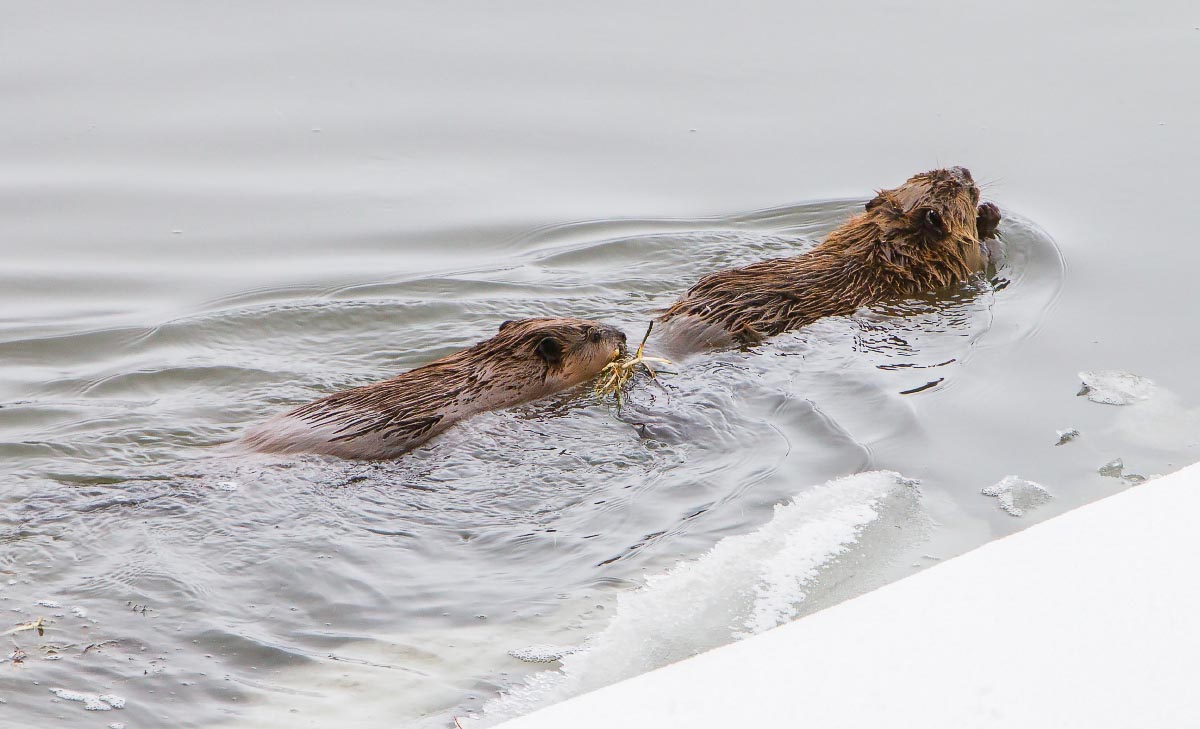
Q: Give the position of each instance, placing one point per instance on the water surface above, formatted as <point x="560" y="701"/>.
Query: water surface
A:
<point x="209" y="214"/>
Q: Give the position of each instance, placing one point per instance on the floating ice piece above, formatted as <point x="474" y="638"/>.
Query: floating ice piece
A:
<point x="48" y="604"/>
<point x="91" y="702"/>
<point x="1116" y="469"/>
<point x="1113" y="387"/>
<point x="1066" y="436"/>
<point x="1016" y="494"/>
<point x="227" y="485"/>
<point x="79" y="612"/>
<point x="1112" y="469"/>
<point x="543" y="653"/>
<point x="116" y="725"/>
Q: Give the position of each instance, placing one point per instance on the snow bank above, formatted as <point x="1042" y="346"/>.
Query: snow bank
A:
<point x="1085" y="620"/>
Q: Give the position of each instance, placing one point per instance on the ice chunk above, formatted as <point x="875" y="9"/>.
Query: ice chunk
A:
<point x="1112" y="469"/>
<point x="1017" y="494"/>
<point x="543" y="653"/>
<point x="1116" y="469"/>
<point x="91" y="702"/>
<point x="1066" y="436"/>
<point x="1113" y="387"/>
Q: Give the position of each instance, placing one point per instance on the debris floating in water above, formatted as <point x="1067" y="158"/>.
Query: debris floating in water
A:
<point x="616" y="374"/>
<point x="1066" y="436"/>
<point x="39" y="625"/>
<point x="1017" y="494"/>
<point x="1113" y="387"/>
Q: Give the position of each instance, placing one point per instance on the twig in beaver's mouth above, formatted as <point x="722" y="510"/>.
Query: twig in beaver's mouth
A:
<point x="615" y="376"/>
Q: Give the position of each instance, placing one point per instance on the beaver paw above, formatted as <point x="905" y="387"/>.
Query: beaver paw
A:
<point x="987" y="219"/>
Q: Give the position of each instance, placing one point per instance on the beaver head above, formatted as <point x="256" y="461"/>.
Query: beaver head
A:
<point x="926" y="232"/>
<point x="931" y="210"/>
<point x="564" y="352"/>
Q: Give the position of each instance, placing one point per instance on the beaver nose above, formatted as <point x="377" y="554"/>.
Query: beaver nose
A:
<point x="621" y="339"/>
<point x="963" y="174"/>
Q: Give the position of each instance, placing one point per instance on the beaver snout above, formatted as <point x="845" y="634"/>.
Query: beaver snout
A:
<point x="622" y="343"/>
<point x="963" y="175"/>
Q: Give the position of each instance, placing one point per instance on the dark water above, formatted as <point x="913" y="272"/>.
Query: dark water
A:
<point x="208" y="215"/>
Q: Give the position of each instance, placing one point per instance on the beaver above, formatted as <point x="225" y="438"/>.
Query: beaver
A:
<point x="526" y="360"/>
<point x="927" y="234"/>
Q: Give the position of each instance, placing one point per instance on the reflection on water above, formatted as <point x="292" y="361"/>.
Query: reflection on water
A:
<point x="214" y="580"/>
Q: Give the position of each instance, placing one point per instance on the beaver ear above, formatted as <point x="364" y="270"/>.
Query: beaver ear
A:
<point x="507" y="323"/>
<point x="932" y="221"/>
<point x="550" y="349"/>
<point x="874" y="202"/>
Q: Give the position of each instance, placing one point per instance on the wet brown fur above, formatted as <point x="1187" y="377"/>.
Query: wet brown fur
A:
<point x="921" y="236"/>
<point x="526" y="360"/>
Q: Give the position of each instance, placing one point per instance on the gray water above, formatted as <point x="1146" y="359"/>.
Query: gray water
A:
<point x="208" y="214"/>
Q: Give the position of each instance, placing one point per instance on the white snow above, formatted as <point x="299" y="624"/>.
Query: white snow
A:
<point x="1085" y="620"/>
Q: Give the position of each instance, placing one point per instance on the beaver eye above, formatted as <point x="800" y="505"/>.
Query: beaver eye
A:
<point x="594" y="335"/>
<point x="933" y="219"/>
<point x="550" y="349"/>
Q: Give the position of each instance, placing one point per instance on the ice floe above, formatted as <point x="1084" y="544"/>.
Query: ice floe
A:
<point x="1113" y="387"/>
<point x="1016" y="494"/>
